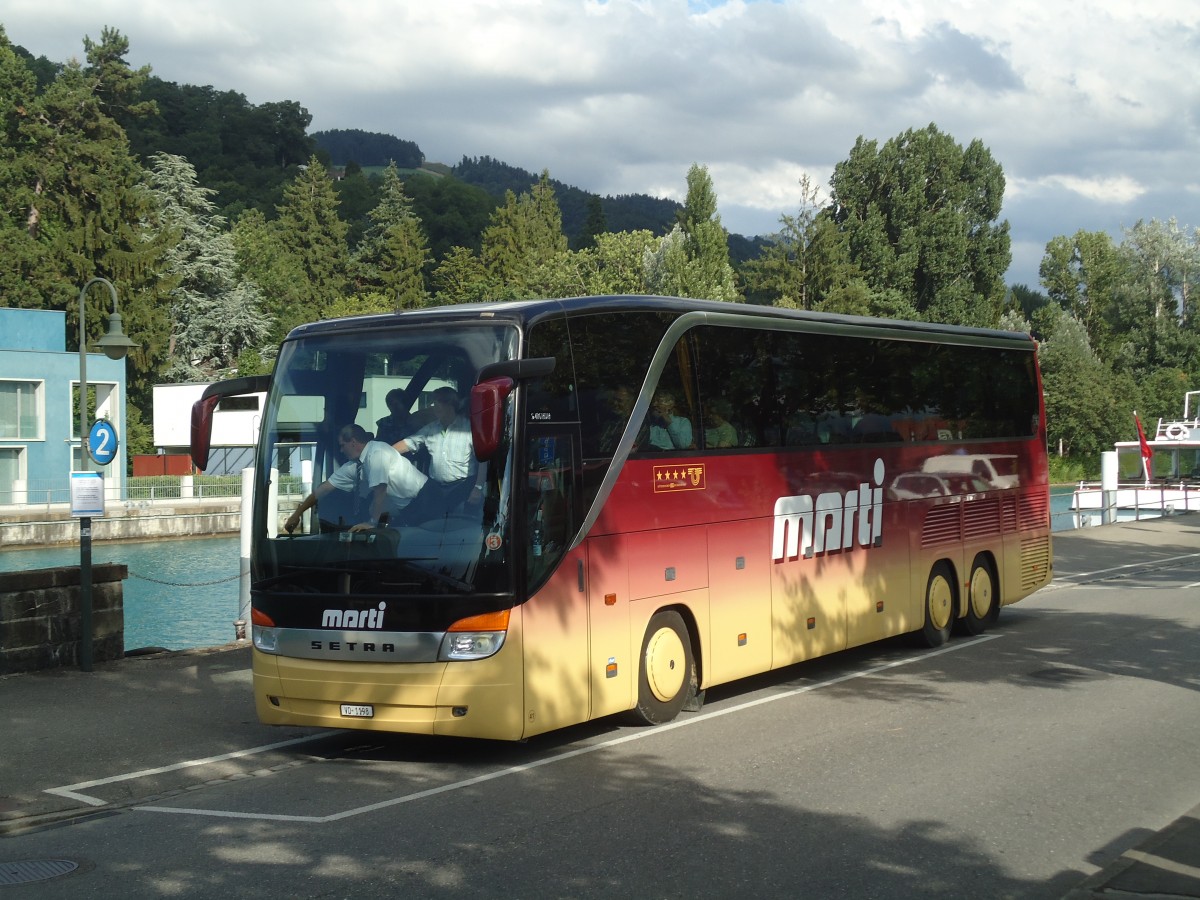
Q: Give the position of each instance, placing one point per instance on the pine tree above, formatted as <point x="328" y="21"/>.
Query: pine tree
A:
<point x="394" y="253"/>
<point x="525" y="235"/>
<point x="693" y="260"/>
<point x="461" y="278"/>
<point x="310" y="232"/>
<point x="594" y="225"/>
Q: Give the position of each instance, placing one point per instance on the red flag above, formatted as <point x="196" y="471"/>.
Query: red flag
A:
<point x="1147" y="452"/>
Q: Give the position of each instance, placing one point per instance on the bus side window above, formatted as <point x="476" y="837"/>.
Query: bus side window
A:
<point x="731" y="377"/>
<point x="549" y="500"/>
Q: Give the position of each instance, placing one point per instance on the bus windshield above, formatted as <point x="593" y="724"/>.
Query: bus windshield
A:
<point x="368" y="483"/>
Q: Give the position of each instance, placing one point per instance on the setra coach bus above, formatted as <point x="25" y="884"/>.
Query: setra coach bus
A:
<point x="667" y="495"/>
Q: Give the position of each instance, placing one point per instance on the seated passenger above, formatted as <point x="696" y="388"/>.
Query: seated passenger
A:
<point x="394" y="426"/>
<point x="718" y="432"/>
<point x="668" y="430"/>
<point x="454" y="475"/>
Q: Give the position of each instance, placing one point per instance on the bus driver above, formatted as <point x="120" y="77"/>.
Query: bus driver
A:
<point x="372" y="469"/>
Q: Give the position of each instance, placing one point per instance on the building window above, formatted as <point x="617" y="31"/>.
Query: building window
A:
<point x="21" y="412"/>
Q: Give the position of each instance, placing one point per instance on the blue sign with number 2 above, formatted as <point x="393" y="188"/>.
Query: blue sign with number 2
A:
<point x="102" y="442"/>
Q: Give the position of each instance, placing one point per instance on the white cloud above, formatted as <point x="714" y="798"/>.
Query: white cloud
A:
<point x="1119" y="189"/>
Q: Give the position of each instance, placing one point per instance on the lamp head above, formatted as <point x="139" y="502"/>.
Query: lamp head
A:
<point x="116" y="343"/>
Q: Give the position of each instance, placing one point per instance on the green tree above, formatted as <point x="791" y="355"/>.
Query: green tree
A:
<point x="452" y="213"/>
<point x="617" y="263"/>
<point x="358" y="194"/>
<point x="461" y="277"/>
<point x="263" y="260"/>
<point x="86" y="204"/>
<point x="393" y="255"/>
<point x="310" y="231"/>
<point x="1154" y="299"/>
<point x="703" y="270"/>
<point x="216" y="314"/>
<point x="1081" y="275"/>
<point x="23" y="281"/>
<point x="807" y="264"/>
<point x="921" y="214"/>
<point x="525" y="234"/>
<point x="593" y="226"/>
<point x="1082" y="415"/>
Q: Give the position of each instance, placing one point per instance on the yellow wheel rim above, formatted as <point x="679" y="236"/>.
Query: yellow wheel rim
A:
<point x="665" y="664"/>
<point x="981" y="592"/>
<point x="941" y="603"/>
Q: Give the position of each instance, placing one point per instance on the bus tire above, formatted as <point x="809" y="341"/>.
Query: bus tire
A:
<point x="666" y="670"/>
<point x="939" y="606"/>
<point x="983" y="602"/>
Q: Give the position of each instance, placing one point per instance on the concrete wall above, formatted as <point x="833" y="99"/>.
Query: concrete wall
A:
<point x="39" y="617"/>
<point x="39" y="528"/>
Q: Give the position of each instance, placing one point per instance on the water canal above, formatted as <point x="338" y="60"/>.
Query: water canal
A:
<point x="183" y="593"/>
<point x="180" y="593"/>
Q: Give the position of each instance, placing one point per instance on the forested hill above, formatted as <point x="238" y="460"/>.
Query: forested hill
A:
<point x="368" y="148"/>
<point x="625" y="212"/>
<point x="246" y="153"/>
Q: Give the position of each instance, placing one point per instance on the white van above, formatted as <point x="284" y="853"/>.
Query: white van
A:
<point x="998" y="470"/>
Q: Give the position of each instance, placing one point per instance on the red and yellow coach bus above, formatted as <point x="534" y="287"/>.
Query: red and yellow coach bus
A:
<point x="673" y="494"/>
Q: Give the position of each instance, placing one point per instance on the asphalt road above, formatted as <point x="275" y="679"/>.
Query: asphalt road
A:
<point x="1012" y="765"/>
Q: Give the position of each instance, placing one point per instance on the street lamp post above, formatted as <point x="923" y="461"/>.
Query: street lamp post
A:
<point x="115" y="345"/>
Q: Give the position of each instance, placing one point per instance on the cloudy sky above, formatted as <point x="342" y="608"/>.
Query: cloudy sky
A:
<point x="1089" y="106"/>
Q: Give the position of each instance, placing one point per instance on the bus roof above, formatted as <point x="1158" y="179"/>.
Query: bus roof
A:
<point x="523" y="312"/>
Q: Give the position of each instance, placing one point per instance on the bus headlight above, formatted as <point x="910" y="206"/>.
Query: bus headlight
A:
<point x="470" y="644"/>
<point x="476" y="637"/>
<point x="265" y="639"/>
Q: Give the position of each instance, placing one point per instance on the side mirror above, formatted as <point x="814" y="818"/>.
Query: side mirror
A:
<point x="202" y="416"/>
<point x="487" y="415"/>
<point x="203" y="409"/>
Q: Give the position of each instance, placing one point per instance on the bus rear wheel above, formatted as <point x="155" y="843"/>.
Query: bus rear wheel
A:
<point x="939" y="606"/>
<point x="666" y="671"/>
<point x="982" y="604"/>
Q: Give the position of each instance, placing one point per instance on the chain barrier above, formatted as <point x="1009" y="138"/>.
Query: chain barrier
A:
<point x="141" y="577"/>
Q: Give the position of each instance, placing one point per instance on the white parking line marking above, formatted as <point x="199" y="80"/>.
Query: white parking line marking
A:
<point x="71" y="791"/>
<point x="1069" y="580"/>
<point x="570" y="754"/>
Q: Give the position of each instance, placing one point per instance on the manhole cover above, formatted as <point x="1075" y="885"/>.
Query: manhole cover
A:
<point x="34" y="870"/>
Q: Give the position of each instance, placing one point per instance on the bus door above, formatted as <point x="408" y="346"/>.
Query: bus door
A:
<point x="555" y="616"/>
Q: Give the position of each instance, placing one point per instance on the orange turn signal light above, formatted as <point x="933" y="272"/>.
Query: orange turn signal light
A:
<point x="258" y="617"/>
<point x="493" y="621"/>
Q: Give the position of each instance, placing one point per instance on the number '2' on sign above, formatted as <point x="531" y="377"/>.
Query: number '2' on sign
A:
<point x="102" y="442"/>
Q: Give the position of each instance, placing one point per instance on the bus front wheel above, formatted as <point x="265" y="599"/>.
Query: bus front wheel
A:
<point x="939" y="606"/>
<point x="982" y="605"/>
<point x="667" y="670"/>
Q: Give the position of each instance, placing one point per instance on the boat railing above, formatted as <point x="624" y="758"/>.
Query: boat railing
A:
<point x="1176" y="429"/>
<point x="1136" y="499"/>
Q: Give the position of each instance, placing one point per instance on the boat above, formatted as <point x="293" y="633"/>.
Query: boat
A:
<point x="1156" y="475"/>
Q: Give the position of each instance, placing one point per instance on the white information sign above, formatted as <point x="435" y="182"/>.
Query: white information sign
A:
<point x="87" y="494"/>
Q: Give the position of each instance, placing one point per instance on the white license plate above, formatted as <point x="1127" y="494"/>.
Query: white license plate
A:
<point x="357" y="712"/>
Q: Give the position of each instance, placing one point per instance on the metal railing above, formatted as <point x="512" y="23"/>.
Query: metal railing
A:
<point x="1133" y="501"/>
<point x="47" y="493"/>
